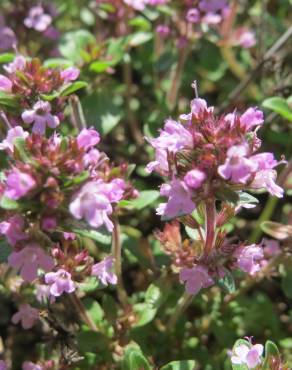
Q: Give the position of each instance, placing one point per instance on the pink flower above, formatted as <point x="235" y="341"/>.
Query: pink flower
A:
<point x="93" y="202"/>
<point x="18" y="184"/>
<point x="237" y="168"/>
<point x="5" y="84"/>
<point x="18" y="64"/>
<point x="179" y="200"/>
<point x="271" y="247"/>
<point x="210" y="6"/>
<point x="102" y="271"/>
<point x="28" y="365"/>
<point x="198" y="107"/>
<point x="243" y="355"/>
<point x="27" y="315"/>
<point x="49" y="223"/>
<point x="245" y="38"/>
<point x="194" y="178"/>
<point x="3" y="365"/>
<point x="43" y="294"/>
<point x="37" y="19"/>
<point x="41" y="117"/>
<point x="60" y="282"/>
<point x="252" y="117"/>
<point x="193" y="15"/>
<point x="136" y="4"/>
<point x="70" y="74"/>
<point x="173" y="137"/>
<point x="7" y="38"/>
<point x="156" y="2"/>
<point x="88" y="138"/>
<point x="12" y="134"/>
<point x="163" y="30"/>
<point x="13" y="229"/>
<point x="265" y="179"/>
<point x="248" y="258"/>
<point x="195" y="278"/>
<point x="29" y="260"/>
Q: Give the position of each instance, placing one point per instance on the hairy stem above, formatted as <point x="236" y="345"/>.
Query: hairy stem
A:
<point x="77" y="115"/>
<point x="133" y="125"/>
<point x="183" y="304"/>
<point x="76" y="301"/>
<point x="236" y="68"/>
<point x="176" y="79"/>
<point x="117" y="254"/>
<point x="210" y="225"/>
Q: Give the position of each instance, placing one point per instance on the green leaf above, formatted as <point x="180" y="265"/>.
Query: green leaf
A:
<point x="287" y="282"/>
<point x="145" y="314"/>
<point x="139" y="38"/>
<point x="93" y="309"/>
<point x="192" y="233"/>
<point x="90" y="284"/>
<point x="180" y="365"/>
<point x="73" y="43"/>
<point x="226" y="194"/>
<point x="58" y="63"/>
<point x="286" y="343"/>
<point x="101" y="111"/>
<point x="134" y="359"/>
<point x="8" y="100"/>
<point x="145" y="198"/>
<point x="227" y="282"/>
<point x="280" y="106"/>
<point x="50" y="97"/>
<point x="20" y="146"/>
<point x="246" y="198"/>
<point x="71" y="88"/>
<point x="6" y="58"/>
<point x="83" y="176"/>
<point x="99" y="236"/>
<point x="5" y="251"/>
<point x="9" y="204"/>
<point x="271" y="350"/>
<point x="101" y="66"/>
<point x="88" y="341"/>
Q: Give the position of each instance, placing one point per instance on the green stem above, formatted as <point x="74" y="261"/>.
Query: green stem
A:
<point x="183" y="304"/>
<point x="117" y="254"/>
<point x="82" y="311"/>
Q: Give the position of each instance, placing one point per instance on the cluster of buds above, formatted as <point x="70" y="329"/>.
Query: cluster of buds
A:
<point x="209" y="162"/>
<point x="193" y="18"/>
<point x="36" y="93"/>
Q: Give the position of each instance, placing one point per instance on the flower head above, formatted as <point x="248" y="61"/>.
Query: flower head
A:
<point x="60" y="282"/>
<point x="27" y="315"/>
<point x="248" y="258"/>
<point x="12" y="134"/>
<point x="13" y="229"/>
<point x="29" y="260"/>
<point x="243" y="355"/>
<point x="88" y="138"/>
<point x="18" y="184"/>
<point x="41" y="117"/>
<point x="38" y="19"/>
<point x="70" y="74"/>
<point x="196" y="278"/>
<point x="102" y="271"/>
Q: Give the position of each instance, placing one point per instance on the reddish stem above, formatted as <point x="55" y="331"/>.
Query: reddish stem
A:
<point x="210" y="217"/>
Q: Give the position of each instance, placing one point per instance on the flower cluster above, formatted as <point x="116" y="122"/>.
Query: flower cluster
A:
<point x="37" y="92"/>
<point x="209" y="162"/>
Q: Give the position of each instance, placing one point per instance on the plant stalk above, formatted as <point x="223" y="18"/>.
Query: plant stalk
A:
<point x="82" y="311"/>
<point x="210" y="225"/>
<point x="117" y="254"/>
<point x="183" y="304"/>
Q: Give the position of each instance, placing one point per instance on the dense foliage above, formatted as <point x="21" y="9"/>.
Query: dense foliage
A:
<point x="145" y="184"/>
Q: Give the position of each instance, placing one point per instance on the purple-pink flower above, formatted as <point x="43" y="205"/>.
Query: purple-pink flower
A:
<point x="13" y="229"/>
<point x="18" y="184"/>
<point x="3" y="365"/>
<point x="27" y="315"/>
<point x="102" y="271"/>
<point x="12" y="134"/>
<point x="28" y="365"/>
<point x="5" y="84"/>
<point x="37" y="19"/>
<point x="237" y="167"/>
<point x="18" y="64"/>
<point x="93" y="202"/>
<point x="41" y="117"/>
<point x="194" y="178"/>
<point x="250" y="356"/>
<point x="29" y="260"/>
<point x="88" y="138"/>
<point x="193" y="15"/>
<point x="70" y="74"/>
<point x="248" y="258"/>
<point x="60" y="282"/>
<point x="195" y="278"/>
<point x="251" y="118"/>
<point x="179" y="199"/>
